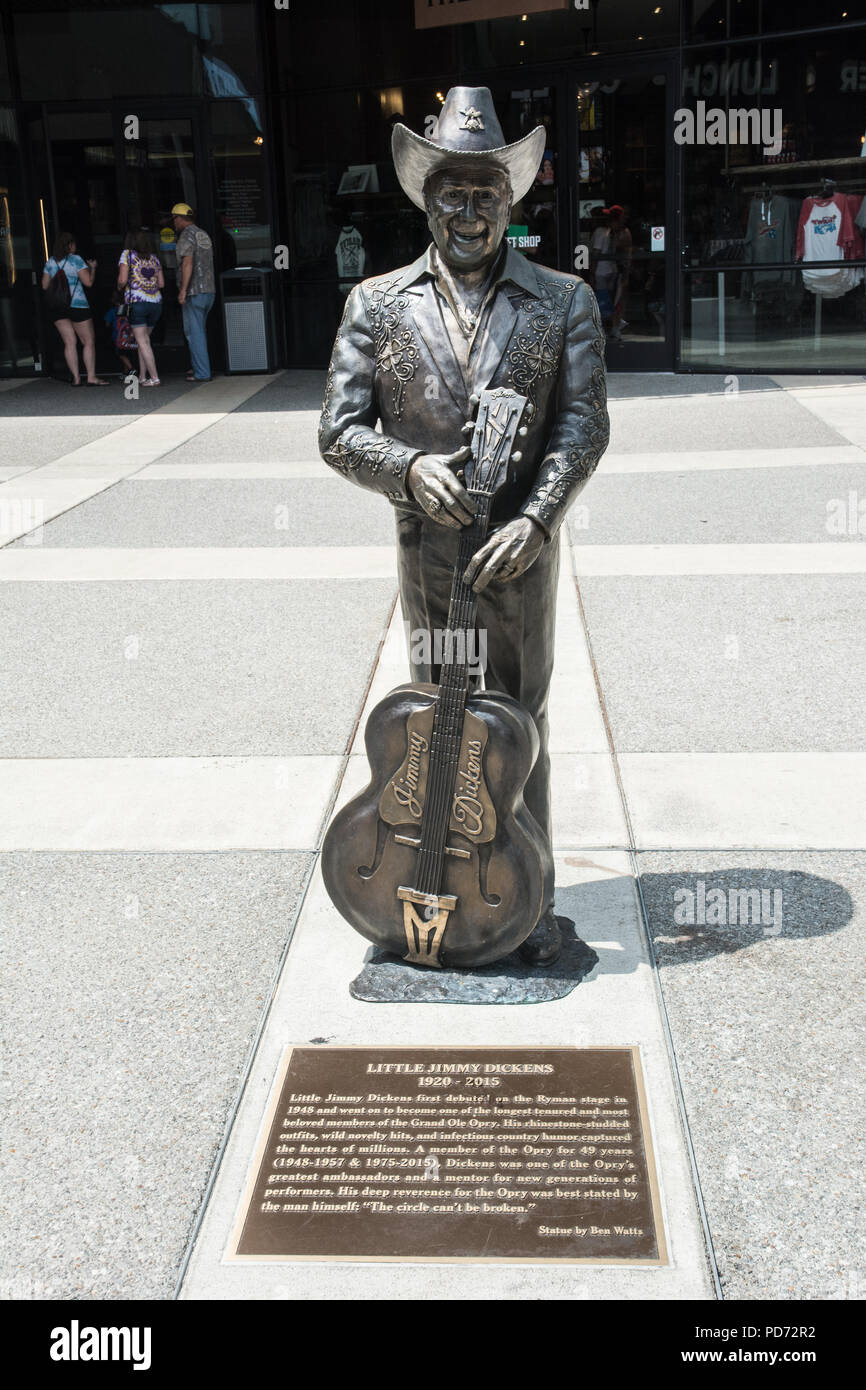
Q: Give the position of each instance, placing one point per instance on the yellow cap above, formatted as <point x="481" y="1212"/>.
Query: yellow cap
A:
<point x="181" y="210"/>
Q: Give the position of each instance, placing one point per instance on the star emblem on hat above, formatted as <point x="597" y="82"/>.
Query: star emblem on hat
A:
<point x="472" y="119"/>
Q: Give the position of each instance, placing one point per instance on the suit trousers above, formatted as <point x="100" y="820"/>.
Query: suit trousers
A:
<point x="519" y="619"/>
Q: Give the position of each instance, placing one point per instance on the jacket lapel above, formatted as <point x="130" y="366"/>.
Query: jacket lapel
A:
<point x="500" y="326"/>
<point x="431" y="326"/>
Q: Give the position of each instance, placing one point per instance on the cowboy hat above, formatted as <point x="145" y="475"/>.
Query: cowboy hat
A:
<point x="469" y="127"/>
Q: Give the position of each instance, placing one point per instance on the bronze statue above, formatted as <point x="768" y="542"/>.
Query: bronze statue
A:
<point x="415" y="350"/>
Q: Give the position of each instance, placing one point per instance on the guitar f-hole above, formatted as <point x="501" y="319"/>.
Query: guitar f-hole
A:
<point x="368" y="870"/>
<point x="484" y="852"/>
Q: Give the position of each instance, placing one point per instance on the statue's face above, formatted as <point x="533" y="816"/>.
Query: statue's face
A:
<point x="468" y="209"/>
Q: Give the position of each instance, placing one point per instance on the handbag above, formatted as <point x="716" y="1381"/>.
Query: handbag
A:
<point x="58" y="293"/>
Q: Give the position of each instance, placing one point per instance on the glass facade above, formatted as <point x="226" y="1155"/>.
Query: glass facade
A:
<point x="774" y="224"/>
<point x="18" y="350"/>
<point x="134" y="51"/>
<point x="713" y="241"/>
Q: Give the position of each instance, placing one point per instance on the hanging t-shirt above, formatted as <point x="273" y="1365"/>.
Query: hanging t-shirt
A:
<point x="351" y="256"/>
<point x="826" y="233"/>
<point x="770" y="234"/>
<point x="71" y="266"/>
<point x="857" y="208"/>
<point x="143" y="279"/>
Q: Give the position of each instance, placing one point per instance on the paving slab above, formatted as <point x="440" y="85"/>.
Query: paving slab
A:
<point x="767" y="1019"/>
<point x="52" y="419"/>
<point x="73" y="476"/>
<point x="151" y="973"/>
<point x="704" y="460"/>
<point x="204" y="803"/>
<point x="751" y="557"/>
<point x="745" y="420"/>
<point x="171" y="669"/>
<point x="842" y="409"/>
<point x="238" y="512"/>
<point x="719" y="507"/>
<point x="276" y="434"/>
<point x="630" y="385"/>
<point x="36" y="564"/>
<point x="730" y="663"/>
<point x="808" y="800"/>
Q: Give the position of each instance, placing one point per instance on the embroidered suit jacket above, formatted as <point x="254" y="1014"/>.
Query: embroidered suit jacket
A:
<point x="393" y="362"/>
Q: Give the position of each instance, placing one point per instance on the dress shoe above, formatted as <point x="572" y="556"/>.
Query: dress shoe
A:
<point x="544" y="943"/>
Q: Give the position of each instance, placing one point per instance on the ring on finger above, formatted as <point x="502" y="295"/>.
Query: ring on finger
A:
<point x="434" y="505"/>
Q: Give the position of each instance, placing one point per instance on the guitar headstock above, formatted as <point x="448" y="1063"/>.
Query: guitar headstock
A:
<point x="496" y="426"/>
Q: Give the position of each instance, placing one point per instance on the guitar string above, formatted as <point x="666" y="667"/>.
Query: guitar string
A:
<point x="451" y="701"/>
<point x="453" y="696"/>
<point x="446" y="754"/>
<point x="444" y="750"/>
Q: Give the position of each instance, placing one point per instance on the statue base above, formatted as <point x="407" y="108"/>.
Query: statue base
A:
<point x="386" y="979"/>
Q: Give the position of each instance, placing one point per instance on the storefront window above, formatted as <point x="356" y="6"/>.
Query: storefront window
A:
<point x="565" y="33"/>
<point x="722" y="19"/>
<point x="5" y="82"/>
<point x="356" y="42"/>
<point x="18" y="328"/>
<point x="240" y="201"/>
<point x="623" y="187"/>
<point x="775" y="215"/>
<point x="124" y="53"/>
<point x="348" y="217"/>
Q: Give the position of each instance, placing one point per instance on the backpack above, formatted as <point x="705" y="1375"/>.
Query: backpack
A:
<point x="123" y="336"/>
<point x="58" y="293"/>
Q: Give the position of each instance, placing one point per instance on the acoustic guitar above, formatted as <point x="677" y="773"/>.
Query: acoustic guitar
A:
<point x="438" y="860"/>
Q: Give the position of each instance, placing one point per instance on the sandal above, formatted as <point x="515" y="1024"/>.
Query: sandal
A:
<point x="150" y="381"/>
<point x="99" y="382"/>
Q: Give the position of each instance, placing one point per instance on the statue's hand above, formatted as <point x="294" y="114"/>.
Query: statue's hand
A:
<point x="507" y="554"/>
<point x="441" y="494"/>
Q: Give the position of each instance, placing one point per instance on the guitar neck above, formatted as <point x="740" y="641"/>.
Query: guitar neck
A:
<point x="464" y="602"/>
<point x="499" y="415"/>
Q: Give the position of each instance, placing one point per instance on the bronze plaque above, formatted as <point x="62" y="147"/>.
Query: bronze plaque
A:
<point x="454" y="1153"/>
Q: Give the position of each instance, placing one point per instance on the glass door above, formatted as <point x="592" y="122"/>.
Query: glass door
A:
<point x="100" y="179"/>
<point x="624" y="212"/>
<point x="159" y="170"/>
<point x="18" y="337"/>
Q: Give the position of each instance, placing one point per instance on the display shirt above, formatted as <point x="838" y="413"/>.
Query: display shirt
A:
<point x="826" y="233"/>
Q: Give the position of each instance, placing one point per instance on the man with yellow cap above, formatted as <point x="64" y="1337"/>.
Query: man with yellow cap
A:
<point x="196" y="286"/>
<point x="415" y="349"/>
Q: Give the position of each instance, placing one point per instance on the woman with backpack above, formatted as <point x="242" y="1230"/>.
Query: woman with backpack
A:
<point x="63" y="279"/>
<point x="140" y="277"/>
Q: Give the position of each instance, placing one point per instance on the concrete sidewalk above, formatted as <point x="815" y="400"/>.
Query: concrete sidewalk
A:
<point x="192" y="631"/>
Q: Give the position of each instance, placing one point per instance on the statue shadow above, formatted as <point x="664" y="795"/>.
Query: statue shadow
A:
<point x="698" y="915"/>
<point x="692" y="917"/>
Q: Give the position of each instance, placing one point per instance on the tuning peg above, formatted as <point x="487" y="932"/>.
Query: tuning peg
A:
<point x="460" y="474"/>
<point x="468" y="428"/>
<point x="517" y="456"/>
<point x="523" y="431"/>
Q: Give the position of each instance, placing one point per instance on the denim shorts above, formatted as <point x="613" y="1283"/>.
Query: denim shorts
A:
<point x="143" y="314"/>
